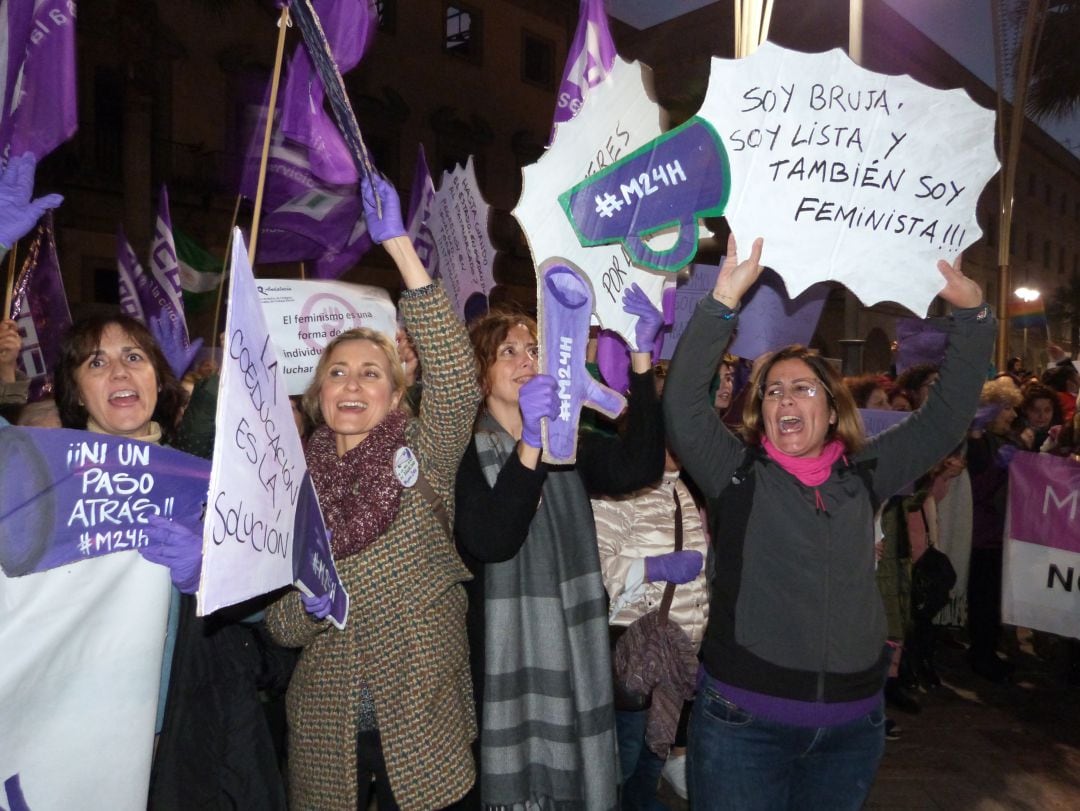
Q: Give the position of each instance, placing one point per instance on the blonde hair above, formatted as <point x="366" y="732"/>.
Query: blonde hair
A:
<point x="310" y="400"/>
<point x="848" y="427"/>
<point x="1002" y="392"/>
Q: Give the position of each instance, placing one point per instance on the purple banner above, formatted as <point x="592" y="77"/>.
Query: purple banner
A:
<point x="565" y="310"/>
<point x="165" y="266"/>
<point x="769" y="319"/>
<point x="918" y="341"/>
<point x="687" y="294"/>
<point x="39" y="107"/>
<point x="66" y="495"/>
<point x="421" y="206"/>
<point x="41" y="313"/>
<point x="668" y="183"/>
<point x="129" y="274"/>
<point x="876" y="420"/>
<point x="1044" y="500"/>
<point x="588" y="61"/>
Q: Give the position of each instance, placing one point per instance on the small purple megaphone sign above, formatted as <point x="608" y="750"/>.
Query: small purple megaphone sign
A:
<point x="668" y="183"/>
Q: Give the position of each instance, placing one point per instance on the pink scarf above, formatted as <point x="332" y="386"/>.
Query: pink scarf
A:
<point x="811" y="471"/>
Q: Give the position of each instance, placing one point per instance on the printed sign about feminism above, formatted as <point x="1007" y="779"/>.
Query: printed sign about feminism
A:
<point x="67" y="495"/>
<point x="849" y="175"/>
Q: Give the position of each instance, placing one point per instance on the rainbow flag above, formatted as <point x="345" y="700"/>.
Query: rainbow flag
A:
<point x="1027" y="314"/>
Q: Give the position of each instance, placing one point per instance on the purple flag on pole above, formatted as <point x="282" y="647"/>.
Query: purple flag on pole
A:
<point x="37" y="83"/>
<point x="421" y="203"/>
<point x="589" y="60"/>
<point x="129" y="270"/>
<point x="165" y="266"/>
<point x="349" y="26"/>
<point x="41" y="313"/>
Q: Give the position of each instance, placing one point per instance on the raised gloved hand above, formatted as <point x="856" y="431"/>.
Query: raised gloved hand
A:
<point x="390" y="224"/>
<point x="318" y="606"/>
<point x="18" y="213"/>
<point x="674" y="567"/>
<point x="538" y="398"/>
<point x="172" y="338"/>
<point x="177" y="547"/>
<point x="650" y="319"/>
<point x="1005" y="455"/>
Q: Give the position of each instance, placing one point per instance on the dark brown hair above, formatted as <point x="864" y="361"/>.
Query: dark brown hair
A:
<point x="848" y="427"/>
<point x="487" y="333"/>
<point x="82" y="340"/>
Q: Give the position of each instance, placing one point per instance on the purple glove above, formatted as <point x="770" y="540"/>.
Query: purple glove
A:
<point x="650" y="320"/>
<point x="537" y="399"/>
<point x="674" y="567"/>
<point x="1005" y="455"/>
<point x="173" y="340"/>
<point x="18" y="213"/>
<point x="389" y="225"/>
<point x="177" y="547"/>
<point x="318" y="606"/>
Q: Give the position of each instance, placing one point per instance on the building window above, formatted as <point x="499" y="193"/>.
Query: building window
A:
<point x="106" y="285"/>
<point x="463" y="32"/>
<point x="537" y="61"/>
<point x="387" y="11"/>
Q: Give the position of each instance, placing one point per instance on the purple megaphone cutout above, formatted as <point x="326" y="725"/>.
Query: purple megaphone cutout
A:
<point x="565" y="307"/>
<point x="670" y="182"/>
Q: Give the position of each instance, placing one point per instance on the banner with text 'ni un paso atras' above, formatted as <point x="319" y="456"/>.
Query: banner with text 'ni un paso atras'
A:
<point x="1041" y="577"/>
<point x="851" y="176"/>
<point x="263" y="528"/>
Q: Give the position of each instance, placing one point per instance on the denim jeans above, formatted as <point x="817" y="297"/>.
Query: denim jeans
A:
<point x="738" y="761"/>
<point x="640" y="766"/>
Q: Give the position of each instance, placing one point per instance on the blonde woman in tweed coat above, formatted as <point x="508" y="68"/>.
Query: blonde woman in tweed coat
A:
<point x="389" y="697"/>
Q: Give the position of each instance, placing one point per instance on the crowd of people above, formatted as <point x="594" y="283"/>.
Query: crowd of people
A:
<point x="498" y="652"/>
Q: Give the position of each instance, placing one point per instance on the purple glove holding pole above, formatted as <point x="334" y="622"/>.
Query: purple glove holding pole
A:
<point x="177" y="547"/>
<point x="390" y="224"/>
<point x="674" y="567"/>
<point x="538" y="398"/>
<point x="319" y="605"/>
<point x="18" y="213"/>
<point x="650" y="319"/>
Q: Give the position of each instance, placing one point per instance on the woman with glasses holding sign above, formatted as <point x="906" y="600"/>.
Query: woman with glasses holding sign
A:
<point x="790" y="713"/>
<point x="388" y="698"/>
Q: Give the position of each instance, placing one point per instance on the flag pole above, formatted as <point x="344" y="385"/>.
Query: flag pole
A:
<point x="283" y="24"/>
<point x="9" y="286"/>
<point x="224" y="272"/>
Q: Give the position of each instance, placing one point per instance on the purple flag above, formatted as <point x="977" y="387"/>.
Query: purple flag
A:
<point x="349" y="26"/>
<point x="130" y="272"/>
<point x="421" y="205"/>
<point x="919" y="340"/>
<point x="41" y="313"/>
<point x="589" y="60"/>
<point x="67" y="495"/>
<point x="37" y="83"/>
<point x="165" y="266"/>
<point x="770" y="320"/>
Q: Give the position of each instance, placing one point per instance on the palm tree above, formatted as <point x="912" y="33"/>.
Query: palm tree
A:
<point x="1064" y="305"/>
<point x="1055" y="84"/>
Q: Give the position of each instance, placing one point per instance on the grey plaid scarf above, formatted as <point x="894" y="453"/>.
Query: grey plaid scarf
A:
<point x="548" y="733"/>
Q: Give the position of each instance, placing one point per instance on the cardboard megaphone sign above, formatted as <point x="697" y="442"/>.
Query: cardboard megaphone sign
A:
<point x="667" y="184"/>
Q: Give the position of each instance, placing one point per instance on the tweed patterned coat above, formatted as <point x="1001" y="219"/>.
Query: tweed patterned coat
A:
<point x="405" y="636"/>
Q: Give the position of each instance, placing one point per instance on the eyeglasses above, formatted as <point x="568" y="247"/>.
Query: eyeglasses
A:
<point x="799" y="390"/>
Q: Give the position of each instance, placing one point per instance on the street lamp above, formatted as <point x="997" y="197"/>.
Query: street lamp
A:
<point x="1026" y="295"/>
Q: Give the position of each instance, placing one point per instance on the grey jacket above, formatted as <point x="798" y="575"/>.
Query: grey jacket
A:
<point x="794" y="608"/>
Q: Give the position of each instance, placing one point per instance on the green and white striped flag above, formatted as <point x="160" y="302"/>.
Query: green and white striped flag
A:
<point x="200" y="272"/>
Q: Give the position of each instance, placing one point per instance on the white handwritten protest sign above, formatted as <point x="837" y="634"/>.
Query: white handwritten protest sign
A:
<point x="458" y="224"/>
<point x="617" y="118"/>
<point x="853" y="176"/>
<point x="263" y="526"/>
<point x="304" y="316"/>
<point x="1042" y="544"/>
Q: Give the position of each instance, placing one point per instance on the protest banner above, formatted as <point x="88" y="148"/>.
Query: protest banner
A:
<point x="263" y="528"/>
<point x="1041" y="575"/>
<point x="459" y="227"/>
<point x="769" y="319"/>
<point x="618" y="118"/>
<point x="876" y="420"/>
<point x="71" y="495"/>
<point x="845" y="172"/>
<point x="304" y="316"/>
<point x="919" y="340"/>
